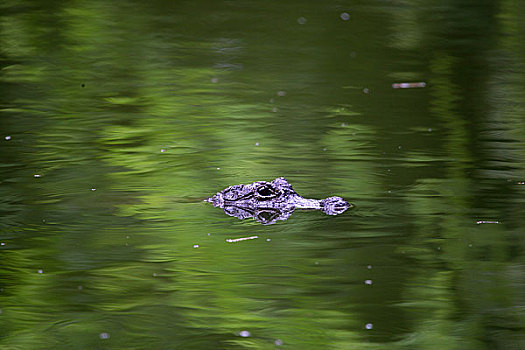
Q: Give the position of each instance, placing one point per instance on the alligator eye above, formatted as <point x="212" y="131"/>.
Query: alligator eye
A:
<point x="266" y="192"/>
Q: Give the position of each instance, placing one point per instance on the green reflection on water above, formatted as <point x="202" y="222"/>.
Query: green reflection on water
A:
<point x="118" y="119"/>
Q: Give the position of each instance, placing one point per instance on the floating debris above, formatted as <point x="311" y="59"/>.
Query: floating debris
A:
<point x="40" y="271"/>
<point x="93" y="189"/>
<point x="37" y="175"/>
<point x="345" y="16"/>
<point x="104" y="335"/>
<point x="369" y="282"/>
<point x="7" y="138"/>
<point x="301" y="20"/>
<point x="234" y="240"/>
<point x="278" y="342"/>
<point x="409" y="85"/>
<point x="487" y="222"/>
<point x="369" y="326"/>
<point x="196" y="246"/>
<point x="244" y="334"/>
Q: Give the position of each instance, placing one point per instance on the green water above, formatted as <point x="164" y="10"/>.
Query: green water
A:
<point x="118" y="119"/>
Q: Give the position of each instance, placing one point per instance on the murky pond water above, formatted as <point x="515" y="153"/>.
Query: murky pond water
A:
<point x="117" y="120"/>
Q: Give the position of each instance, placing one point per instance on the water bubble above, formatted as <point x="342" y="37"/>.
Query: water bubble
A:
<point x="268" y="239"/>
<point x="429" y="129"/>
<point x="7" y="138"/>
<point x="301" y="20"/>
<point x="369" y="267"/>
<point x="345" y="16"/>
<point x="154" y="274"/>
<point x="369" y="326"/>
<point x="281" y="93"/>
<point x="366" y="91"/>
<point x="80" y="287"/>
<point x="2" y="243"/>
<point x="214" y="80"/>
<point x="162" y="150"/>
<point x="104" y="335"/>
<point x="257" y="144"/>
<point x="37" y="175"/>
<point x="196" y="246"/>
<point x="40" y="271"/>
<point x="274" y="109"/>
<point x="368" y="282"/>
<point x="218" y="168"/>
<point x="278" y="342"/>
<point x="272" y="100"/>
<point x="93" y="189"/>
<point x="244" y="333"/>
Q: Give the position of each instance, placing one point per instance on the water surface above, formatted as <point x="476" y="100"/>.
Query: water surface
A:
<point x="117" y="120"/>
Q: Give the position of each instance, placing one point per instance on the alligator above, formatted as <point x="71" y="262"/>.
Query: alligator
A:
<point x="268" y="202"/>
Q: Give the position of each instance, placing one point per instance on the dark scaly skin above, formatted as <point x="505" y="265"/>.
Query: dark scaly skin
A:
<point x="268" y="202"/>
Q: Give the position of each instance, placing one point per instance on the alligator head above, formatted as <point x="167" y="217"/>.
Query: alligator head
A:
<point x="268" y="202"/>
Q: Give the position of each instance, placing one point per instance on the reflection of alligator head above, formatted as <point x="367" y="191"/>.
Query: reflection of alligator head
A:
<point x="268" y="202"/>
